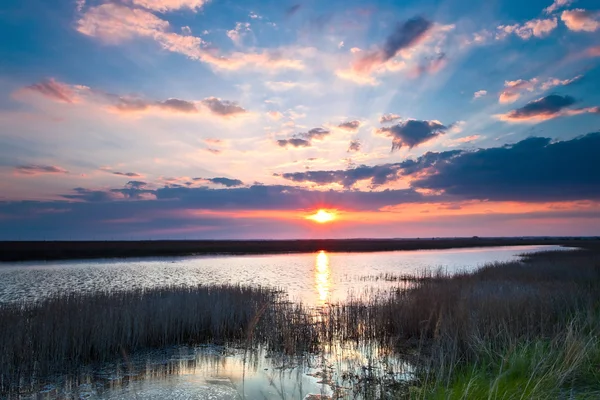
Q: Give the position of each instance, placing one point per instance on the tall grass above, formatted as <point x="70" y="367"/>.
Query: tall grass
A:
<point x="513" y="330"/>
<point x="62" y="333"/>
<point x="525" y="329"/>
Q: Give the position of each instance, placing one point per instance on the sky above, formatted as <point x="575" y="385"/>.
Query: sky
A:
<point x="223" y="119"/>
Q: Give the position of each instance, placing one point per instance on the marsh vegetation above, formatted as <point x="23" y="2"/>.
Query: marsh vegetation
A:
<point x="524" y="329"/>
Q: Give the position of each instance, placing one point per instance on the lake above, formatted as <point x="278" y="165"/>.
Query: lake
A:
<point x="314" y="278"/>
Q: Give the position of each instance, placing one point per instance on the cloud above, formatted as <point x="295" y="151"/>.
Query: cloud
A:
<point x="294" y="142"/>
<point x="351" y="126"/>
<point x="169" y="5"/>
<point x="553" y="82"/>
<point x="128" y="174"/>
<point x="545" y="108"/>
<point x="412" y="132"/>
<point x="525" y="171"/>
<point x="304" y="139"/>
<point x="376" y="175"/>
<point x="514" y="89"/>
<point x="558" y="4"/>
<point x="405" y="36"/>
<point x="134" y="104"/>
<point x="237" y="34"/>
<point x="480" y="93"/>
<point x="226" y="182"/>
<point x="34" y="169"/>
<point x="65" y="93"/>
<point x="581" y="20"/>
<point x="113" y="24"/>
<point x="315" y="133"/>
<point x="137" y="184"/>
<point x="431" y="65"/>
<point x="536" y="27"/>
<point x="388" y="118"/>
<point x="54" y="90"/>
<point x="354" y="146"/>
<point x="223" y="107"/>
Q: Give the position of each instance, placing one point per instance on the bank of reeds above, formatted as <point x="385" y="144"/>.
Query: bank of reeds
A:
<point x="530" y="325"/>
<point x="60" y="334"/>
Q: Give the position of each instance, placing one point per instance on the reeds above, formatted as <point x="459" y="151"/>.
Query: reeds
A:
<point x="62" y="333"/>
<point x="478" y="332"/>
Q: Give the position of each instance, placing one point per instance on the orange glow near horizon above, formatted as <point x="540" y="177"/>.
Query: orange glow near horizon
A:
<point x="322" y="216"/>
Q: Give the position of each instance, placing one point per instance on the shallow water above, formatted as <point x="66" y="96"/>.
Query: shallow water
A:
<point x="313" y="278"/>
<point x="219" y="373"/>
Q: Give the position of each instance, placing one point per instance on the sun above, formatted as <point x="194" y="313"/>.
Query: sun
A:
<point x="322" y="216"/>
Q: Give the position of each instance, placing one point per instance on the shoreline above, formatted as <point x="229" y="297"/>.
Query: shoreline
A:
<point x="16" y="251"/>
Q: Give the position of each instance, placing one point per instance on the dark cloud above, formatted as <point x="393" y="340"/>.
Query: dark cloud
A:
<point x="128" y="174"/>
<point x="351" y="126"/>
<point x="226" y="182"/>
<point x="55" y="90"/>
<point x="376" y="175"/>
<point x="137" y="184"/>
<point x="90" y="195"/>
<point x="223" y="107"/>
<point x="405" y="35"/>
<point x="546" y="108"/>
<point x="315" y="133"/>
<point x="386" y="118"/>
<point x="294" y="142"/>
<point x="33" y="169"/>
<point x="411" y="133"/>
<point x="213" y="151"/>
<point x="178" y="105"/>
<point x="354" y="146"/>
<point x="534" y="169"/>
<point x="304" y="139"/>
<point x="131" y="104"/>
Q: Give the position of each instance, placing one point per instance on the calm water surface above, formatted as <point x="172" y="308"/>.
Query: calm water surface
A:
<point x="313" y="278"/>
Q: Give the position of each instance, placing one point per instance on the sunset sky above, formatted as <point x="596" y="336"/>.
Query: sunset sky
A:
<point x="139" y="119"/>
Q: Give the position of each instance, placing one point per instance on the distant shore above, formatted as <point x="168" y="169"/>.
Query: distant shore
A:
<point x="67" y="250"/>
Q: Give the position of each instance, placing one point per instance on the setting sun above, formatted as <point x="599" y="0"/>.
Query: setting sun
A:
<point x="322" y="216"/>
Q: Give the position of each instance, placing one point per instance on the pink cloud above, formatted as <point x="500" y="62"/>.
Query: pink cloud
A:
<point x="581" y="20"/>
<point x="536" y="27"/>
<point x="114" y="24"/>
<point x="480" y="93"/>
<point x="169" y="5"/>
<point x="52" y="89"/>
<point x="513" y="90"/>
<point x="34" y="169"/>
<point x="558" y="4"/>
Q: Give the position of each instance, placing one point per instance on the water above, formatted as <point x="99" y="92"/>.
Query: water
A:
<point x="310" y="278"/>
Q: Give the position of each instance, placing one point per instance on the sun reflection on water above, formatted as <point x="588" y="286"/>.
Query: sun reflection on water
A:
<point x="322" y="276"/>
